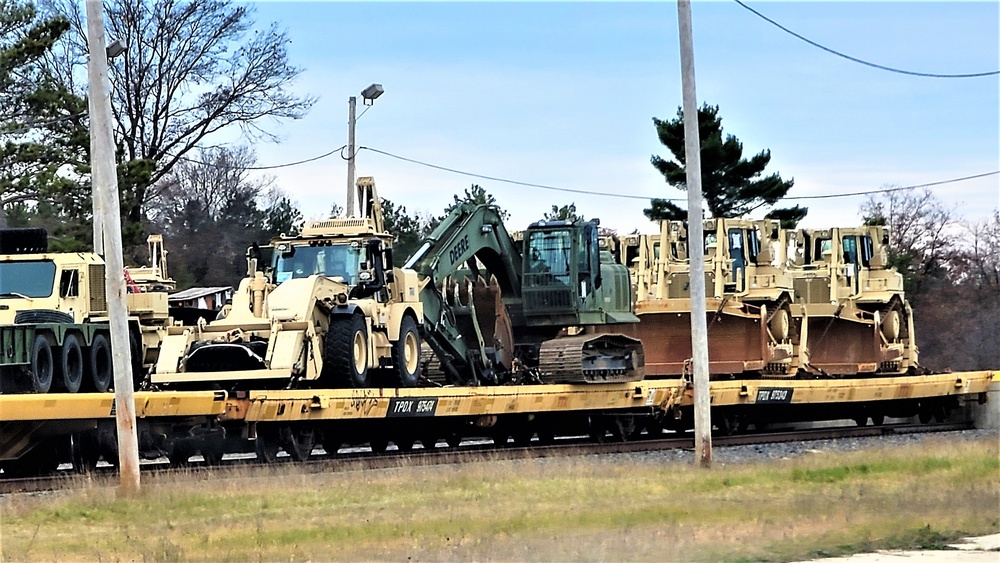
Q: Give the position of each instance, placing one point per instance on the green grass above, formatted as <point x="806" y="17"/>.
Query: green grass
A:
<point x="578" y="509"/>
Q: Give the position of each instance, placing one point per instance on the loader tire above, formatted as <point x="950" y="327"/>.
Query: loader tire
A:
<point x="345" y="359"/>
<point x="406" y="353"/>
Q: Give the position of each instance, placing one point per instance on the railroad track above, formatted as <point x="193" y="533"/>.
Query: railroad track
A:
<point x="358" y="459"/>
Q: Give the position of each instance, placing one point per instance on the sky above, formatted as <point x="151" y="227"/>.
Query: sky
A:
<point x="563" y="94"/>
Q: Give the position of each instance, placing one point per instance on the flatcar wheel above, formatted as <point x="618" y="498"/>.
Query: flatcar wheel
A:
<point x="85" y="451"/>
<point x="42" y="366"/>
<point x="429" y="442"/>
<point x="546" y="435"/>
<point x="378" y="445"/>
<point x="861" y="420"/>
<point x="404" y="443"/>
<point x="878" y="419"/>
<point x="180" y="455"/>
<point x="299" y="441"/>
<point x="523" y="435"/>
<point x="453" y="439"/>
<point x="500" y="438"/>
<point x="71" y="364"/>
<point x="598" y="429"/>
<point x="267" y="443"/>
<point x="213" y="448"/>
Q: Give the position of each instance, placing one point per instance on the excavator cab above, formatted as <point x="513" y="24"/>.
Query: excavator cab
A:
<point x="563" y="282"/>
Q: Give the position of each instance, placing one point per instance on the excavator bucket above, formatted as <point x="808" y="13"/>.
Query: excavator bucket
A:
<point x="494" y="322"/>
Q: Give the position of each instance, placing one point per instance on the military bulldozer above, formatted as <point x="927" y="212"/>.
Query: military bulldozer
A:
<point x="859" y="320"/>
<point x="748" y="292"/>
<point x="329" y="311"/>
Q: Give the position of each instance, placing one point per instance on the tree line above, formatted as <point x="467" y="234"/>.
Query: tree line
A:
<point x="192" y="69"/>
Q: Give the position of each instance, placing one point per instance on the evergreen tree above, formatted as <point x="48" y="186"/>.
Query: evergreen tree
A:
<point x="732" y="186"/>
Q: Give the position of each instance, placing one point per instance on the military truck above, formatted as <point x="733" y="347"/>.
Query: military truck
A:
<point x="328" y="311"/>
<point x="54" y="332"/>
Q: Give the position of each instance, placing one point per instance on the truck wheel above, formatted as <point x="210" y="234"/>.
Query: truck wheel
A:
<point x="346" y="351"/>
<point x="41" y="364"/>
<point x="99" y="371"/>
<point x="406" y="353"/>
<point x="71" y="364"/>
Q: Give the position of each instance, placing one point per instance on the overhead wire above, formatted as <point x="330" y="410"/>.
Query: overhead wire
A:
<point x="646" y="198"/>
<point x="864" y="62"/>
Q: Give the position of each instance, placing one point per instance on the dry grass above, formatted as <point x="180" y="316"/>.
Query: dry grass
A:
<point x="559" y="509"/>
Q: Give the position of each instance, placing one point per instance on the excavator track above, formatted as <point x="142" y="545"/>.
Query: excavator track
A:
<point x="591" y="358"/>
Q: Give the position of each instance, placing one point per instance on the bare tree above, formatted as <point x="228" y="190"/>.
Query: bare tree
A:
<point x="210" y="210"/>
<point x="924" y="233"/>
<point x="190" y="69"/>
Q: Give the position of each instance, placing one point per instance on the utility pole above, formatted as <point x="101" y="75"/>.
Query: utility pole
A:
<point x="352" y="104"/>
<point x="98" y="214"/>
<point x="105" y="186"/>
<point x="696" y="244"/>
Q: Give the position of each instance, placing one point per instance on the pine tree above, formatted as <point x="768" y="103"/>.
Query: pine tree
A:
<point x="732" y="186"/>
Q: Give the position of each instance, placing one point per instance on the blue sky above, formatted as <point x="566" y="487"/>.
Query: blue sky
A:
<point x="562" y="94"/>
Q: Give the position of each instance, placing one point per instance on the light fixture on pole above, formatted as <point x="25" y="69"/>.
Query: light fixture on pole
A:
<point x="368" y="96"/>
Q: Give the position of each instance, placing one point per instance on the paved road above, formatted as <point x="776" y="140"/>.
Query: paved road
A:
<point x="985" y="549"/>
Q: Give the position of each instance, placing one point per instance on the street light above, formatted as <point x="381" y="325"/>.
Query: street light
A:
<point x="368" y="96"/>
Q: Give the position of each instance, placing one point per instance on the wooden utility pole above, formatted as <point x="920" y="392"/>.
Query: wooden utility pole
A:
<point x="352" y="104"/>
<point x="696" y="243"/>
<point x="105" y="186"/>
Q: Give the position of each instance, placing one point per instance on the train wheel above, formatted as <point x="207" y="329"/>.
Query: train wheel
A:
<point x="213" y="447"/>
<point x="598" y="429"/>
<point x="42" y="366"/>
<point x="429" y="442"/>
<point x="522" y="435"/>
<point x="71" y="364"/>
<point x="299" y="441"/>
<point x="500" y="437"/>
<point x="331" y="443"/>
<point x="378" y="445"/>
<point x="267" y="443"/>
<point x="99" y="364"/>
<point x="84" y="448"/>
<point x="861" y="420"/>
<point x="878" y="419"/>
<point x="180" y="454"/>
<point x="346" y="351"/>
<point x="406" y="353"/>
<point x="454" y="439"/>
<point x="404" y="443"/>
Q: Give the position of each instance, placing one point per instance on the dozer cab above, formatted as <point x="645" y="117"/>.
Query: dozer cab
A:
<point x="858" y="318"/>
<point x="329" y="311"/>
<point x="500" y="311"/>
<point x="748" y="298"/>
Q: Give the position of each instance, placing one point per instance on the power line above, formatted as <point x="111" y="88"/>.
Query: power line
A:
<point x="899" y="189"/>
<point x="866" y="63"/>
<point x="495" y="179"/>
<point x="647" y="198"/>
<point x="272" y="167"/>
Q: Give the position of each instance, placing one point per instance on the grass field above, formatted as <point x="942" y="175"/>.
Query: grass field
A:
<point x="588" y="508"/>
